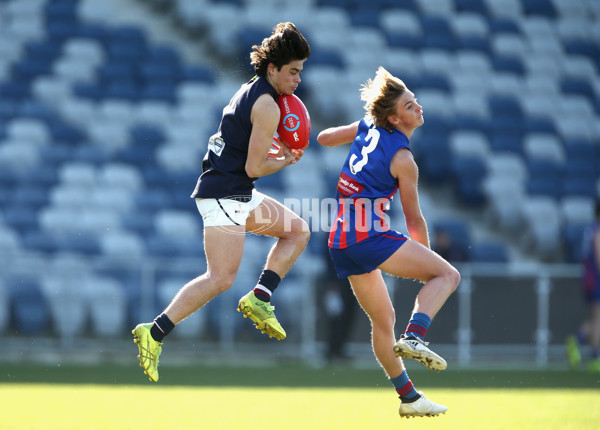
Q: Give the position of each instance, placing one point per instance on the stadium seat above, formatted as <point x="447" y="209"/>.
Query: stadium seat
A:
<point x="573" y="235"/>
<point x="458" y="230"/>
<point x="468" y="172"/>
<point x="488" y="252"/>
<point x="505" y="197"/>
<point x="28" y="306"/>
<point x="543" y="238"/>
<point x="107" y="305"/>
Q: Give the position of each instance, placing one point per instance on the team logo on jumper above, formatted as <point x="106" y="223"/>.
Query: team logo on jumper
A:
<point x="216" y="144"/>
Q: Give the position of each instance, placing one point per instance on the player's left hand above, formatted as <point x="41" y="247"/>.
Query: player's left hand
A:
<point x="290" y="155"/>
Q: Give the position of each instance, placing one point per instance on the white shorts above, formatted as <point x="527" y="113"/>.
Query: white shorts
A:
<point x="219" y="212"/>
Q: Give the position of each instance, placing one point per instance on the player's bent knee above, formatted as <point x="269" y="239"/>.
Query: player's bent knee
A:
<point x="300" y="231"/>
<point x="222" y="281"/>
<point x="453" y="277"/>
<point x="383" y="320"/>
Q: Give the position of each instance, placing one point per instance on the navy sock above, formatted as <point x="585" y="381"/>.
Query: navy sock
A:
<point x="418" y="325"/>
<point x="405" y="388"/>
<point x="162" y="326"/>
<point x="267" y="283"/>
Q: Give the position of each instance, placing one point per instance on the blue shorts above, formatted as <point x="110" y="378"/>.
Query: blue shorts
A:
<point x="366" y="256"/>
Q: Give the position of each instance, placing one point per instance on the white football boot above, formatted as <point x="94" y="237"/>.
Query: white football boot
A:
<point x="416" y="349"/>
<point x="421" y="408"/>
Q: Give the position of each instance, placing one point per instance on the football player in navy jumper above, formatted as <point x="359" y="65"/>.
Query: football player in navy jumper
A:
<point x="237" y="155"/>
<point x="362" y="244"/>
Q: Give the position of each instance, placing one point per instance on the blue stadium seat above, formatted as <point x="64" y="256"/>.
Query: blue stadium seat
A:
<point x="128" y="35"/>
<point x="539" y="8"/>
<point x="198" y="73"/>
<point x="579" y="187"/>
<point x="581" y="150"/>
<point x="55" y="154"/>
<point x="475" y="6"/>
<point x="147" y="135"/>
<point x="163" y="54"/>
<point x="501" y="24"/>
<point x="364" y="17"/>
<point x="158" y="71"/>
<point x="8" y="109"/>
<point x="128" y="54"/>
<point x="571" y="85"/>
<point x="458" y="230"/>
<point x="86" y="90"/>
<point x="15" y="90"/>
<point x="582" y="47"/>
<point x="468" y="172"/>
<point x="153" y="199"/>
<point x="141" y="222"/>
<point x="544" y="178"/>
<point x="94" y="31"/>
<point x="122" y="89"/>
<point x="508" y="63"/>
<point x="46" y="50"/>
<point x="29" y="69"/>
<point x="433" y="80"/>
<point x="326" y="57"/>
<point x="488" y="252"/>
<point x="20" y="218"/>
<point x="116" y="70"/>
<point x="404" y="40"/>
<point x="471" y="122"/>
<point x="40" y="241"/>
<point x="64" y="132"/>
<point x="137" y="154"/>
<point x="61" y="11"/>
<point x="28" y="305"/>
<point x="433" y="154"/>
<point x="163" y="91"/>
<point x="544" y="186"/>
<point x="80" y="243"/>
<point x="30" y="196"/>
<point x="539" y="124"/>
<point x="475" y="43"/>
<point x="58" y="31"/>
<point x="573" y="237"/>
<point x="585" y="170"/>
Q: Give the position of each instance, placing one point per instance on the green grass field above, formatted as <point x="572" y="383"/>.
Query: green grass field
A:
<point x="118" y="397"/>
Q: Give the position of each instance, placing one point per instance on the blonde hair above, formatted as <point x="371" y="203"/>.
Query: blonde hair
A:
<point x="380" y="95"/>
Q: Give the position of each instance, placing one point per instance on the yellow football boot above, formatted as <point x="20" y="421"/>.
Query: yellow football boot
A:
<point x="262" y="314"/>
<point x="573" y="353"/>
<point x="149" y="350"/>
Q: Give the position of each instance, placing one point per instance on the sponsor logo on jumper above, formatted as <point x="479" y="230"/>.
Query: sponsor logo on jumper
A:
<point x="348" y="186"/>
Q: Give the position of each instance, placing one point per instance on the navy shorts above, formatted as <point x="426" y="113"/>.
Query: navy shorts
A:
<point x="366" y="256"/>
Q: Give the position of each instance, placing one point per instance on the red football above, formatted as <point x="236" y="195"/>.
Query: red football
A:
<point x="294" y="124"/>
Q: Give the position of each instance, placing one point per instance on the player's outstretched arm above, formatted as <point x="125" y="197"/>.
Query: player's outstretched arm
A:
<point x="335" y="136"/>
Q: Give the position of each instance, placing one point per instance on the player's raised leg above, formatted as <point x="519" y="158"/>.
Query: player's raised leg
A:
<point x="223" y="246"/>
<point x="271" y="218"/>
<point x="413" y="260"/>
<point x="371" y="292"/>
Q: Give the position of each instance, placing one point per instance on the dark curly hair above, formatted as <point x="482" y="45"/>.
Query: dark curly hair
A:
<point x="283" y="46"/>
